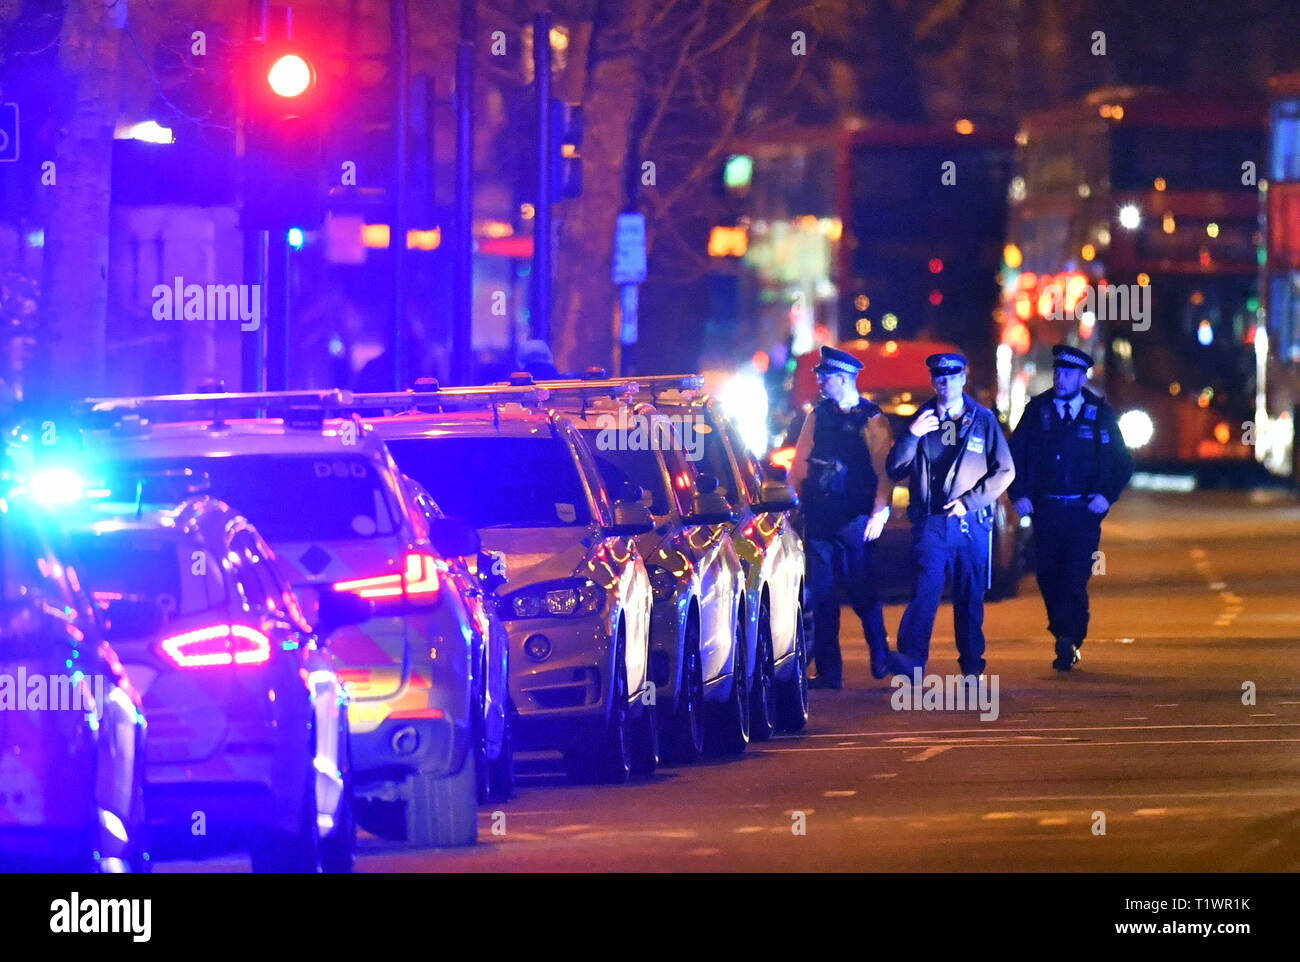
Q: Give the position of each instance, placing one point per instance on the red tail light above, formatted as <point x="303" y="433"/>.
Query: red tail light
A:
<point x="217" y="646"/>
<point x="419" y="580"/>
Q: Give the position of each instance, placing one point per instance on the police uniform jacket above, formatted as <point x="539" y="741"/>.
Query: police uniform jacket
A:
<point x="1085" y="457"/>
<point x="980" y="472"/>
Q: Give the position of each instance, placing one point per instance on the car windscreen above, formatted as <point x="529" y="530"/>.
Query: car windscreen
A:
<point x="527" y="482"/>
<point x="125" y="565"/>
<point x="289" y="497"/>
<point x="619" y="467"/>
<point x="36" y="607"/>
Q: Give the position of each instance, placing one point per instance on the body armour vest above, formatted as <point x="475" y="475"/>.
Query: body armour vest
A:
<point x="841" y="482"/>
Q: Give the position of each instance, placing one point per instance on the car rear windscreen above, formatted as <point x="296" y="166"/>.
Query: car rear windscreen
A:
<point x="498" y="481"/>
<point x="119" y="565"/>
<point x="291" y="497"/>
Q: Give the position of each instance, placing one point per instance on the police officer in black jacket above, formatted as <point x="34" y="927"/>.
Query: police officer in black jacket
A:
<point x="1071" y="465"/>
<point x="959" y="463"/>
<point x="839" y="470"/>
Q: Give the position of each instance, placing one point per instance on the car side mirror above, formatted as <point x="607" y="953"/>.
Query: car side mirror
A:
<point x="630" y="518"/>
<point x="454" y="538"/>
<point x="710" y="508"/>
<point x="776" y="496"/>
<point x="337" y="609"/>
<point x="131" y="618"/>
<point x="492" y="570"/>
<point x="775" y="470"/>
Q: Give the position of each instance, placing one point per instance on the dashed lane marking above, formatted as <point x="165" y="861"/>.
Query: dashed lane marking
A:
<point x="929" y="753"/>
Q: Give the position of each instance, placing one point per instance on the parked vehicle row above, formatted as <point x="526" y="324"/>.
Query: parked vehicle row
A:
<point x="332" y="610"/>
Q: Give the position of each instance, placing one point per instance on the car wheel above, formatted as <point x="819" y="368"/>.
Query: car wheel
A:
<point x="443" y="811"/>
<point x="729" y="731"/>
<point x="645" y="741"/>
<point x="501" y="771"/>
<point x="339" y="847"/>
<point x="792" y="694"/>
<point x="483" y="784"/>
<point x="762" y="716"/>
<point x="685" y="733"/>
<point x="611" y="759"/>
<point x="300" y="852"/>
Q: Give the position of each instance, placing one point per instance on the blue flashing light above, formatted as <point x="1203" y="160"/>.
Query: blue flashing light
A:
<point x="54" y="486"/>
<point x="296" y="238"/>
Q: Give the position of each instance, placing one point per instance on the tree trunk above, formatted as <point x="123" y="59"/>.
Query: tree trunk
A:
<point x="76" y="247"/>
<point x="583" y="320"/>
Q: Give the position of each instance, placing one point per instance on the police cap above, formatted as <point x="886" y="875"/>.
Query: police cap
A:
<point x="1063" y="355"/>
<point x="941" y="365"/>
<point x="835" y="361"/>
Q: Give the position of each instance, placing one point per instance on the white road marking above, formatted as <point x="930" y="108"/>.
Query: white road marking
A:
<point x="1151" y="811"/>
<point x="1265" y="793"/>
<point x="1052" y="821"/>
<point x="1097" y="728"/>
<point x="984" y="743"/>
<point x="840" y="793"/>
<point x="929" y="753"/>
<point x="886" y="775"/>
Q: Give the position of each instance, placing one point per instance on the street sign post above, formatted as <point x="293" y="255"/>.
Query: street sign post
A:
<point x="629" y="270"/>
<point x="629" y="249"/>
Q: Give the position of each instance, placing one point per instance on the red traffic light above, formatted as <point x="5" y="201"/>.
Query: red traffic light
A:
<point x="290" y="76"/>
<point x="936" y="265"/>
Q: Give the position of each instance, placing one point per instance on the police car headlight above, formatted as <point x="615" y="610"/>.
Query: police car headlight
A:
<point x="556" y="601"/>
<point x="1137" y="428"/>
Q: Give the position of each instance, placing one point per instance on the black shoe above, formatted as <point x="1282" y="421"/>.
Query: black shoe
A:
<point x="880" y="666"/>
<point x="820" y="682"/>
<point x="1067" y="654"/>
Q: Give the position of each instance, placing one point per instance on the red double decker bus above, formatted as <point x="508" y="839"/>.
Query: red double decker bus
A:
<point x="1133" y="233"/>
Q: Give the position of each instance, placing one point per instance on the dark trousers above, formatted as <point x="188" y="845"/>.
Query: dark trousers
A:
<point x="842" y="561"/>
<point x="1066" y="536"/>
<point x="940" y="547"/>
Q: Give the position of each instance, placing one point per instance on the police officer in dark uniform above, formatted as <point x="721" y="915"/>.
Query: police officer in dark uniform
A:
<point x="959" y="463"/>
<point x="839" y="469"/>
<point x="1071" y="466"/>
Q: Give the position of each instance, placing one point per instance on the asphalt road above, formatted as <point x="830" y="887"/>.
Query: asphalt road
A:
<point x="1201" y="594"/>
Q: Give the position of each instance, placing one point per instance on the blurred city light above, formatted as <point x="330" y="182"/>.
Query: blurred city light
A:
<point x="290" y="76"/>
<point x="149" y="131"/>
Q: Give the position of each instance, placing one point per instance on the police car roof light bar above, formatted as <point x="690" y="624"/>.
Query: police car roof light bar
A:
<point x="621" y="387"/>
<point x="214" y="407"/>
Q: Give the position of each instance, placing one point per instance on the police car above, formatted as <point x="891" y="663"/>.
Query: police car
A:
<point x="248" y="738"/>
<point x="772" y="555"/>
<point x="696" y="633"/>
<point x="579" y="601"/>
<point x="72" y="732"/>
<point x="327" y="496"/>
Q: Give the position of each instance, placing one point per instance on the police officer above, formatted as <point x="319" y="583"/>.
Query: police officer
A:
<point x="1071" y="466"/>
<point x="839" y="469"/>
<point x="958" y="461"/>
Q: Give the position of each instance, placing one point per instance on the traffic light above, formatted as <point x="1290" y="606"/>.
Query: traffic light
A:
<point x="566" y="139"/>
<point x="284" y="157"/>
<point x="566" y="136"/>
